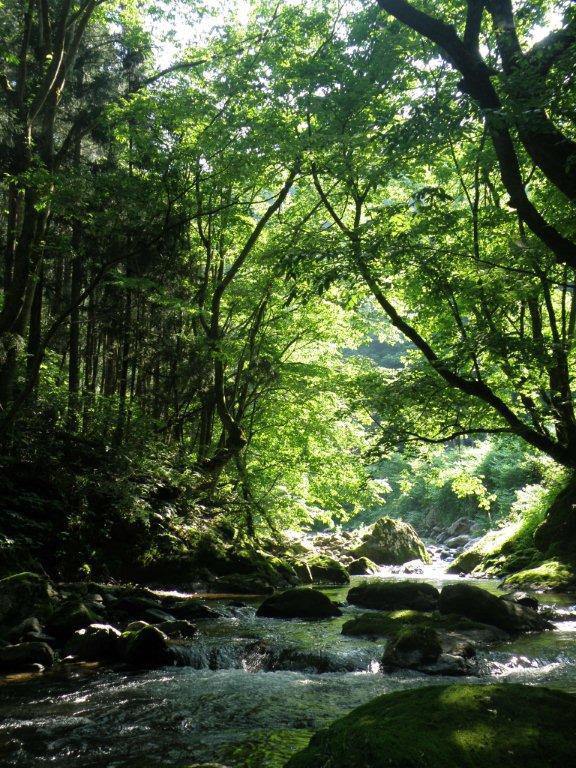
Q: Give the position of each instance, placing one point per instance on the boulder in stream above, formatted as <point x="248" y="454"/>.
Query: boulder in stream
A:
<point x="69" y="617"/>
<point x="299" y="603"/>
<point x="97" y="642"/>
<point x="147" y="648"/>
<point x="328" y="570"/>
<point x="394" y="595"/>
<point x="392" y="542"/>
<point x="427" y="650"/>
<point x="477" y="726"/>
<point x="480" y="605"/>
<point x="25" y="657"/>
<point x="388" y="624"/>
<point x="362" y="566"/>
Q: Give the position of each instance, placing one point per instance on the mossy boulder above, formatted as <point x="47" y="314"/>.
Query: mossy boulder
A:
<point x="301" y="602"/>
<point x="387" y="624"/>
<point x="362" y="566"/>
<point x="394" y="595"/>
<point x="551" y="574"/>
<point x="480" y="605"/>
<point x="147" y="648"/>
<point x="328" y="570"/>
<point x="392" y="542"/>
<point x="456" y="726"/>
<point x="25" y="594"/>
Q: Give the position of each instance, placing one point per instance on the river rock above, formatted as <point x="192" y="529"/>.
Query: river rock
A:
<point x="30" y="625"/>
<point x="24" y="656"/>
<point x="328" y="570"/>
<point x="69" y="617"/>
<point x="426" y="650"/>
<point x="155" y="615"/>
<point x="98" y="642"/>
<point x="392" y="542"/>
<point x="477" y="726"/>
<point x="24" y="594"/>
<point x="480" y="605"/>
<point x="301" y="602"/>
<point x="178" y="628"/>
<point x="389" y="624"/>
<point x="413" y="567"/>
<point x="147" y="648"/>
<point x="457" y="542"/>
<point x="393" y="595"/>
<point x="523" y="598"/>
<point x="363" y="566"/>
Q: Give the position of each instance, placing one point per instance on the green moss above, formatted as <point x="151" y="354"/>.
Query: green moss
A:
<point x="270" y="749"/>
<point x="387" y="624"/>
<point x="551" y="574"/>
<point x="450" y="727"/>
<point x="326" y="569"/>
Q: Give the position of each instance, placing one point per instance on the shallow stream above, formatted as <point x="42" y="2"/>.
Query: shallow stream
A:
<point x="256" y="691"/>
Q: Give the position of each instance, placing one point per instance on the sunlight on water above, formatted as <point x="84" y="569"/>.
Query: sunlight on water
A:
<point x="255" y="691"/>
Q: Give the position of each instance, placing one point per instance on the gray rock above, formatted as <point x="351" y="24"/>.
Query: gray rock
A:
<point x="480" y="605"/>
<point x="98" y="642"/>
<point x="147" y="648"/>
<point x="178" y="628"/>
<point x="23" y="656"/>
<point x="431" y="652"/>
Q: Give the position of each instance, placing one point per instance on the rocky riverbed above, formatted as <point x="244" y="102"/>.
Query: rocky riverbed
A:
<point x="252" y="688"/>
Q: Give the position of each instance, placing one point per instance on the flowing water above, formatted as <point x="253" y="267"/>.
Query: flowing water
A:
<point x="254" y="692"/>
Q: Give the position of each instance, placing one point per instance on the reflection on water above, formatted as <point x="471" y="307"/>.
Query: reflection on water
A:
<point x="230" y="708"/>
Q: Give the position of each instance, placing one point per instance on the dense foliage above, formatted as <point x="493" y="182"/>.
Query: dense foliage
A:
<point x="199" y="259"/>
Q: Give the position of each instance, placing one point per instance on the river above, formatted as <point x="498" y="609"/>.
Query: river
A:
<point x="256" y="691"/>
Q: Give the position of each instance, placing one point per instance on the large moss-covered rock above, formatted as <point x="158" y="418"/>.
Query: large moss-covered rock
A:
<point x="480" y="605"/>
<point x="457" y="726"/>
<point x="392" y="542"/>
<point x="328" y="570"/>
<point x="148" y="647"/>
<point x="302" y="603"/>
<point x="387" y="624"/>
<point x="394" y="595"/>
<point x="23" y="595"/>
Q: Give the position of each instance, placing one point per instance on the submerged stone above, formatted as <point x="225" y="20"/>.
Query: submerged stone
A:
<point x="477" y="726"/>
